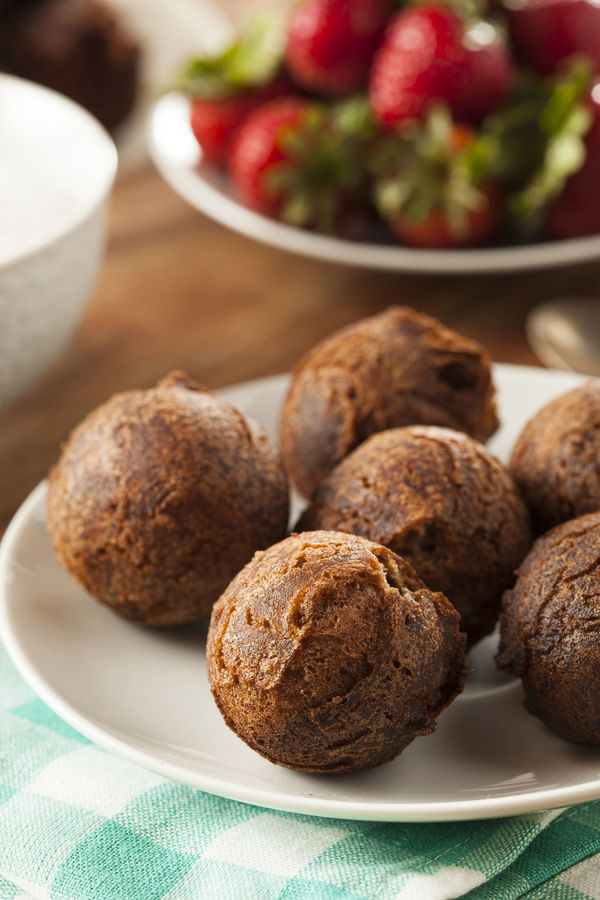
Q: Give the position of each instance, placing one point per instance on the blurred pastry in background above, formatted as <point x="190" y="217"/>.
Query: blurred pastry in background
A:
<point x="80" y="48"/>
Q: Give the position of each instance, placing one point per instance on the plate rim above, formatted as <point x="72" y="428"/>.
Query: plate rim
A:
<point x="438" y="811"/>
<point x="193" y="187"/>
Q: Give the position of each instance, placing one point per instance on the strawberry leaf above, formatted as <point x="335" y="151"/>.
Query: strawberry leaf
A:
<point x="565" y="94"/>
<point x="250" y="61"/>
<point x="324" y="170"/>
<point x="515" y="140"/>
<point x="564" y="121"/>
<point x="564" y="155"/>
<point x="430" y="168"/>
<point x="353" y="118"/>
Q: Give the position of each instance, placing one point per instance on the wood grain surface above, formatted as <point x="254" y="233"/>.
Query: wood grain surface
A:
<point x="178" y="291"/>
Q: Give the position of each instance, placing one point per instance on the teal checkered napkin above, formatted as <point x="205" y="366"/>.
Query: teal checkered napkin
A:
<point x="80" y="824"/>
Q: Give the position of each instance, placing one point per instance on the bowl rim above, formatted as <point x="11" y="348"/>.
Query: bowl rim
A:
<point x="178" y="159"/>
<point x="105" y="182"/>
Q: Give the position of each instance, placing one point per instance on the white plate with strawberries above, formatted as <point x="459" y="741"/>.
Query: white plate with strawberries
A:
<point x="428" y="139"/>
<point x="179" y="160"/>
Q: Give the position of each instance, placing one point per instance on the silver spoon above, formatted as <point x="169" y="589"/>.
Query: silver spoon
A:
<point x="565" y="333"/>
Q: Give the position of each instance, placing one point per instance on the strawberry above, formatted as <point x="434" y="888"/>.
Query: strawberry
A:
<point x="431" y="188"/>
<point x="576" y="212"/>
<point x="430" y="53"/>
<point x="436" y="231"/>
<point x="301" y="161"/>
<point x="544" y="32"/>
<point x="214" y="122"/>
<point x="258" y="148"/>
<point x="331" y="43"/>
<point x="226" y="88"/>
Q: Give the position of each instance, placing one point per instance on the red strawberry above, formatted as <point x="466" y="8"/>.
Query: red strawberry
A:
<point x="576" y="212"/>
<point x="429" y="54"/>
<point x="258" y="148"/>
<point x="214" y="122"/>
<point x="331" y="43"/>
<point x="427" y="189"/>
<point x="544" y="32"/>
<point x="435" y="231"/>
<point x="226" y="88"/>
<point x="300" y="161"/>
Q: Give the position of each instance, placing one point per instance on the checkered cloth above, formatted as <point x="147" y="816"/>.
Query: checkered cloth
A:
<point x="81" y="824"/>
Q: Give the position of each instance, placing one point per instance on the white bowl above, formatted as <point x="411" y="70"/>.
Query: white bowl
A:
<point x="57" y="166"/>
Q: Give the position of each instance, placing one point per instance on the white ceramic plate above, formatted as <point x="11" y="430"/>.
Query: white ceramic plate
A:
<point x="144" y="693"/>
<point x="178" y="158"/>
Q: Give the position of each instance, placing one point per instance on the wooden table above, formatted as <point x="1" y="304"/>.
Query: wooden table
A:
<point x="178" y="291"/>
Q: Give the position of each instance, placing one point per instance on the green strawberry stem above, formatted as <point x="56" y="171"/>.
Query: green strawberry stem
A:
<point x="251" y="61"/>
<point x="323" y="169"/>
<point x="420" y="171"/>
<point x="537" y="142"/>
